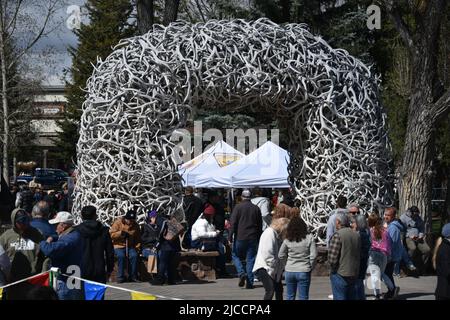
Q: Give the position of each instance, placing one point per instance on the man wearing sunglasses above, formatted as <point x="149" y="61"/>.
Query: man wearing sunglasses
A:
<point x="353" y="209"/>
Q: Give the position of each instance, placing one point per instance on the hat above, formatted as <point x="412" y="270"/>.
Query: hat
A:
<point x="22" y="217"/>
<point x="152" y="214"/>
<point x="62" y="217"/>
<point x="246" y="194"/>
<point x="446" y="231"/>
<point x="131" y="215"/>
<point x="209" y="210"/>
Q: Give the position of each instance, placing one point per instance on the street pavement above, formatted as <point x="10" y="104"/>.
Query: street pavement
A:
<point x="227" y="289"/>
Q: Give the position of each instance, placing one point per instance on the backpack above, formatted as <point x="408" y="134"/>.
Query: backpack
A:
<point x="172" y="229"/>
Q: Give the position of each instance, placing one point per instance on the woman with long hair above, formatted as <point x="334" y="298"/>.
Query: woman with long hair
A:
<point x="299" y="252"/>
<point x="380" y="249"/>
<point x="268" y="267"/>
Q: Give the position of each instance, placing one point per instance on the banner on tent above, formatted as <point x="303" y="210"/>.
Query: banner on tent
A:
<point x="224" y="159"/>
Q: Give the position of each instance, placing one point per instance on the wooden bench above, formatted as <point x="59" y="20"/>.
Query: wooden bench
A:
<point x="192" y="265"/>
<point x="197" y="265"/>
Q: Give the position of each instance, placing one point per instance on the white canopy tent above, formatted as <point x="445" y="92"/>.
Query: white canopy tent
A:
<point x="266" y="167"/>
<point x="216" y="157"/>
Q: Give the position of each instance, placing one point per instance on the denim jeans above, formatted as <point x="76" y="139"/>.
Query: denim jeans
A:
<point x="245" y="250"/>
<point x="220" y="260"/>
<point x="64" y="293"/>
<point x="297" y="282"/>
<point x="390" y="271"/>
<point x="360" y="292"/>
<point x="405" y="259"/>
<point x="379" y="259"/>
<point x="122" y="260"/>
<point x="343" y="287"/>
<point x="148" y="252"/>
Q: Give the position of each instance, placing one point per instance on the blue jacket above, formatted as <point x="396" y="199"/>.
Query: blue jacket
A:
<point x="394" y="229"/>
<point x="64" y="252"/>
<point x="44" y="227"/>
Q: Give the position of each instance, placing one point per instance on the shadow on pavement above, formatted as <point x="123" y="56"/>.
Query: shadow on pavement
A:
<point x="408" y="296"/>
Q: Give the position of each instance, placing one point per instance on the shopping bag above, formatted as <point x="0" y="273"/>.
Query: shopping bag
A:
<point x="152" y="264"/>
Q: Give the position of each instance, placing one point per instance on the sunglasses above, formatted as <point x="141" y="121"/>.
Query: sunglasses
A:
<point x="354" y="212"/>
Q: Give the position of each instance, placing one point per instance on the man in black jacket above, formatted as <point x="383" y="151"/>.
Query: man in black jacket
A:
<point x="245" y="231"/>
<point x="98" y="253"/>
<point x="193" y="207"/>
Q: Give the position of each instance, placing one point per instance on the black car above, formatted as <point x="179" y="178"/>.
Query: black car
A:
<point x="50" y="177"/>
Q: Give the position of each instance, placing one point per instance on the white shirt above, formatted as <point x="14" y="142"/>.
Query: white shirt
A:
<point x="267" y="256"/>
<point x="264" y="205"/>
<point x="203" y="229"/>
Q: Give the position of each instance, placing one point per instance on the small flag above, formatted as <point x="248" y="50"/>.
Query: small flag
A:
<point x="1" y="293"/>
<point x="94" y="291"/>
<point x="42" y="280"/>
<point x="141" y="296"/>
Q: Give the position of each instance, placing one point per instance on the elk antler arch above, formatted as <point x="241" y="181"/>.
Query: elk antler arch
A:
<point x="143" y="91"/>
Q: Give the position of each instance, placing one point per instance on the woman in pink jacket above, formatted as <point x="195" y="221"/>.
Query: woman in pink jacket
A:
<point x="380" y="250"/>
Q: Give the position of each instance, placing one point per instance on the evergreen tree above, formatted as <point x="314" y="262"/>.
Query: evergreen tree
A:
<point x="109" y="22"/>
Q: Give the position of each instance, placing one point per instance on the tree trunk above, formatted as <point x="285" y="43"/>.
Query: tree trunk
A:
<point x="170" y="11"/>
<point x="5" y="107"/>
<point x="145" y="14"/>
<point x="415" y="181"/>
<point x="446" y="216"/>
<point x="14" y="169"/>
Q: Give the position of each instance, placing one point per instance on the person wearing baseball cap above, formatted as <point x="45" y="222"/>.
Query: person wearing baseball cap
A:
<point x="65" y="251"/>
<point x="245" y="231"/>
<point x="415" y="234"/>
<point x="443" y="266"/>
<point x="126" y="238"/>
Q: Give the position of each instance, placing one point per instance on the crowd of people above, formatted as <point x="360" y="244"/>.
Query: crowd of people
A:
<point x="264" y="234"/>
<point x="26" y="196"/>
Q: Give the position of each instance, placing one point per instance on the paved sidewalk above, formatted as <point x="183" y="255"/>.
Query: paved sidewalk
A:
<point x="227" y="289"/>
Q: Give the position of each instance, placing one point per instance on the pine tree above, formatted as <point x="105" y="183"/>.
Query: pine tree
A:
<point x="109" y="22"/>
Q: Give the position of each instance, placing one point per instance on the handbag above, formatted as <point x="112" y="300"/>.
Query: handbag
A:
<point x="173" y="229"/>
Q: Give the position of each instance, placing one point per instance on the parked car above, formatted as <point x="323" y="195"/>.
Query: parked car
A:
<point x="23" y="179"/>
<point x="50" y="177"/>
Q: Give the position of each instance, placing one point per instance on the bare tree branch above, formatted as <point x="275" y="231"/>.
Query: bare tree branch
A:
<point x="51" y="10"/>
<point x="441" y="108"/>
<point x="14" y="19"/>
<point x="200" y="10"/>
<point x="403" y="29"/>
